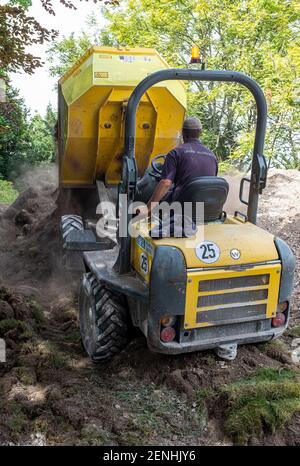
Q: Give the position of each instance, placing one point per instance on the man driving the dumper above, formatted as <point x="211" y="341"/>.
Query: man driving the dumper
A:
<point x="186" y="162"/>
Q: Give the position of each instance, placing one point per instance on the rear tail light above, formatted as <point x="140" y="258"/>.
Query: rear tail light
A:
<point x="279" y="320"/>
<point x="167" y="334"/>
<point x="167" y="331"/>
<point x="168" y="320"/>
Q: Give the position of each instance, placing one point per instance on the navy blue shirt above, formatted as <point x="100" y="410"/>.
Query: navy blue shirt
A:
<point x="186" y="162"/>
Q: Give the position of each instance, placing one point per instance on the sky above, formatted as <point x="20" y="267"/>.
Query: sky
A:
<point x="38" y="89"/>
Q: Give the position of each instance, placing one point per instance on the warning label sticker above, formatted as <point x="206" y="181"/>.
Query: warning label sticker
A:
<point x="127" y="58"/>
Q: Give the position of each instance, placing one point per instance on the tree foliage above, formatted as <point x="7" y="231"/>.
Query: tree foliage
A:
<point x="17" y="32"/>
<point x="24" y="140"/>
<point x="257" y="37"/>
<point x="64" y="53"/>
<point x="48" y="4"/>
<point x="13" y="131"/>
<point x="41" y="147"/>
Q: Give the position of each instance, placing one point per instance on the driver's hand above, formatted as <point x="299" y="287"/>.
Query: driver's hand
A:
<point x="142" y="211"/>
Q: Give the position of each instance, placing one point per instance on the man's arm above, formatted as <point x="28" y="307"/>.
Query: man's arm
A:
<point x="160" y="191"/>
<point x="167" y="178"/>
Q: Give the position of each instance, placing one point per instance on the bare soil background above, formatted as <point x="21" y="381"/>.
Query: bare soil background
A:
<point x="52" y="395"/>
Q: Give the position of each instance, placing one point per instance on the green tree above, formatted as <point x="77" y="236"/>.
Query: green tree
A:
<point x="50" y="119"/>
<point x="268" y="50"/>
<point x="17" y="32"/>
<point x="65" y="52"/>
<point x="24" y="141"/>
<point x="41" y="146"/>
<point x="13" y="131"/>
<point x="257" y="37"/>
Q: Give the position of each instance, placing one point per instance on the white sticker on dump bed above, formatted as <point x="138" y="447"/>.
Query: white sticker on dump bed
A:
<point x="208" y="252"/>
<point x="127" y="58"/>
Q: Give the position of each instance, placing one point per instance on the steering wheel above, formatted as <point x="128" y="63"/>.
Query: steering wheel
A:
<point x="157" y="168"/>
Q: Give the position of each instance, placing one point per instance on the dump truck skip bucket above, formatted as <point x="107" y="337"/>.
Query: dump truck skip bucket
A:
<point x="93" y="96"/>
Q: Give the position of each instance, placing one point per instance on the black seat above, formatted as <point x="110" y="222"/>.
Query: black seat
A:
<point x="212" y="190"/>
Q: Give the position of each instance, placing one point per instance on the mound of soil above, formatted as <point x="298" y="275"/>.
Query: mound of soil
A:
<point x="279" y="213"/>
<point x="30" y="251"/>
<point x="53" y="395"/>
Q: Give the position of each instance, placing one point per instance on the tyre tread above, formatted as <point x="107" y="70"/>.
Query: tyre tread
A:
<point x="111" y="319"/>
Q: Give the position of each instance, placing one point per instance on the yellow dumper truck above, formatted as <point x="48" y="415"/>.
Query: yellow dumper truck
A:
<point x="120" y="111"/>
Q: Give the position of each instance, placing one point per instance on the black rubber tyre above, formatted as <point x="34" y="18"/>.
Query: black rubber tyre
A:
<point x="104" y="320"/>
<point x="70" y="260"/>
<point x="70" y="223"/>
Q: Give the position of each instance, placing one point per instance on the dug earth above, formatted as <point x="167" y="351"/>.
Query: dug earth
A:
<point x="52" y="395"/>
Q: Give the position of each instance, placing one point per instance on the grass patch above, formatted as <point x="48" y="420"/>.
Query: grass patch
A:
<point x="58" y="361"/>
<point x="262" y="403"/>
<point x="7" y="192"/>
<point x="72" y="337"/>
<point x="155" y="411"/>
<point x="50" y="356"/>
<point x="17" y="420"/>
<point x="8" y="324"/>
<point x="24" y="332"/>
<point x="36" y="311"/>
<point x="27" y="333"/>
<point x="202" y="396"/>
<point x="276" y="349"/>
<point x="25" y="375"/>
<point x="93" y="436"/>
<point x="5" y="293"/>
<point x="293" y="331"/>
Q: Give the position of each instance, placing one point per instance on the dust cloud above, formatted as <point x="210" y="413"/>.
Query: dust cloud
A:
<point x="30" y="250"/>
<point x="40" y="177"/>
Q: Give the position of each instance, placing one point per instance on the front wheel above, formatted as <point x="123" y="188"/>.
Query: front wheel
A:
<point x="104" y="319"/>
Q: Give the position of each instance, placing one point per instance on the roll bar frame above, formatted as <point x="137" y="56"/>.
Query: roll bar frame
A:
<point x="258" y="167"/>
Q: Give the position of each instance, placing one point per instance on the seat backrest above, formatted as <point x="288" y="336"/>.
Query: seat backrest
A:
<point x="211" y="190"/>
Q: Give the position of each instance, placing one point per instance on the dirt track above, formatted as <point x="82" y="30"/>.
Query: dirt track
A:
<point x="52" y="394"/>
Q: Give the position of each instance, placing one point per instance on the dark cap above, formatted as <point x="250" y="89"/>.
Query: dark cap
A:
<point x="192" y="123"/>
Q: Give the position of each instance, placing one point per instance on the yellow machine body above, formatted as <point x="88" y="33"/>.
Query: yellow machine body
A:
<point x="237" y="284"/>
<point x="227" y="285"/>
<point x="93" y="96"/>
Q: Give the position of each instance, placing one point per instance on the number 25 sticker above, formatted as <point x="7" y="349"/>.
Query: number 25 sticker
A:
<point x="208" y="252"/>
<point x="144" y="263"/>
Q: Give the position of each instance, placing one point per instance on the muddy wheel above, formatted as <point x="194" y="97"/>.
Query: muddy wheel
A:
<point x="104" y="320"/>
<point x="70" y="223"/>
